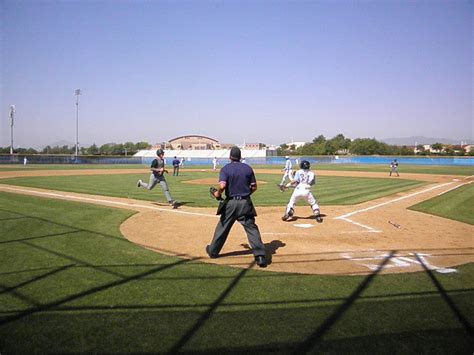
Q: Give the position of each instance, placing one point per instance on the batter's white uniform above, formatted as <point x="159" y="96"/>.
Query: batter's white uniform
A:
<point x="305" y="180"/>
<point x="287" y="171"/>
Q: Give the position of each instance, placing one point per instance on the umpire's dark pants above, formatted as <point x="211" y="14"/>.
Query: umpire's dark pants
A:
<point x="242" y="211"/>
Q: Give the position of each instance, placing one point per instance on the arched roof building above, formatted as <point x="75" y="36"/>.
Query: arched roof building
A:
<point x="194" y="142"/>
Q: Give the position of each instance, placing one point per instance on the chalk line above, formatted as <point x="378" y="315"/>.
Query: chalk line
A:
<point x="391" y="201"/>
<point x="454" y="188"/>
<point x="105" y="202"/>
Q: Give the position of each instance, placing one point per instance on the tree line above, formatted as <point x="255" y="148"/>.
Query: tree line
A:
<point x="340" y="145"/>
<point x="128" y="148"/>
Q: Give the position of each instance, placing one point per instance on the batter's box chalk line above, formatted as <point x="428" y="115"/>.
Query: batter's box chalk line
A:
<point x="396" y="262"/>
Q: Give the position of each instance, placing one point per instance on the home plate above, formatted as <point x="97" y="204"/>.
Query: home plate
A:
<point x="303" y="225"/>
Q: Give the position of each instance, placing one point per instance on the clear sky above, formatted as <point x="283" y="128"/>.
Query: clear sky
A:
<point x="253" y="71"/>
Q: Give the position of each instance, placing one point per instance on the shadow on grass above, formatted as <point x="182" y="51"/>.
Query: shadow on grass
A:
<point x="93" y="290"/>
<point x="462" y="319"/>
<point x="270" y="249"/>
<point x="315" y="338"/>
<point x="255" y="328"/>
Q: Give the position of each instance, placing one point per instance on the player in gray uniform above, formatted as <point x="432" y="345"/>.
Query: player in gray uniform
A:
<point x="157" y="169"/>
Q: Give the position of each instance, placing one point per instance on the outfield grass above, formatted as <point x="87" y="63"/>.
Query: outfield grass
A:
<point x="329" y="190"/>
<point x="415" y="169"/>
<point x="457" y="204"/>
<point x="69" y="282"/>
<point x="412" y="169"/>
<point x="21" y="167"/>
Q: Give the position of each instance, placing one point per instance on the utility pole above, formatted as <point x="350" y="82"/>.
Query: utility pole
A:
<point x="12" y="115"/>
<point x="77" y="93"/>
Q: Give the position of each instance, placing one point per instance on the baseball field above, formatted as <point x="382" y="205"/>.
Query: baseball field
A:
<point x="93" y="264"/>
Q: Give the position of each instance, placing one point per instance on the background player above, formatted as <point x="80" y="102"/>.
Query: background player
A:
<point x="176" y="165"/>
<point x="287" y="171"/>
<point x="394" y="167"/>
<point x="302" y="181"/>
<point x="157" y="169"/>
<point x="215" y="163"/>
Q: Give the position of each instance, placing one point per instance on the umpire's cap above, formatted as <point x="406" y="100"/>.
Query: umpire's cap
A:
<point x="235" y="154"/>
<point x="160" y="151"/>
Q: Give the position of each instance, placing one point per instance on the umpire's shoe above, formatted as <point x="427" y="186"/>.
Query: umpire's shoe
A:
<point x="208" y="251"/>
<point x="261" y="261"/>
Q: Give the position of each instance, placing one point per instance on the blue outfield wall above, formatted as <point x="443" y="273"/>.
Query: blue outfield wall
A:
<point x="368" y="160"/>
<point x="68" y="159"/>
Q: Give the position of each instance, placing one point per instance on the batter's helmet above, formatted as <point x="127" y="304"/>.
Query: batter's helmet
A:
<point x="160" y="151"/>
<point x="305" y="165"/>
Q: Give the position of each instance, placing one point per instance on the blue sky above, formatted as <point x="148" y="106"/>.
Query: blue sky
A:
<point x="254" y="71"/>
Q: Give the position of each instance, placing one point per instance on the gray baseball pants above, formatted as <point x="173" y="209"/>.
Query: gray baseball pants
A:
<point x="154" y="180"/>
<point x="242" y="211"/>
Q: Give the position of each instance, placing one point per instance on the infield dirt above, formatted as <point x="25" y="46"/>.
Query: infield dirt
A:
<point x="351" y="240"/>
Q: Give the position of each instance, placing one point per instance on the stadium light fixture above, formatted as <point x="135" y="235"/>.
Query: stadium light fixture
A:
<point x="77" y="93"/>
<point x="12" y="116"/>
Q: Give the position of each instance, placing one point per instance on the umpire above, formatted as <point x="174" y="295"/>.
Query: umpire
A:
<point x="238" y="181"/>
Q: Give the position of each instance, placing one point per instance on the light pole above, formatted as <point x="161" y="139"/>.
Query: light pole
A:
<point x="77" y="93"/>
<point x="12" y="114"/>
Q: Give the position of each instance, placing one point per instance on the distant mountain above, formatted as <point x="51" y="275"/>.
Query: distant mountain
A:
<point x="424" y="140"/>
<point x="62" y="143"/>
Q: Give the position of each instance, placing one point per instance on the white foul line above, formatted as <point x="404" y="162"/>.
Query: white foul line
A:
<point x="107" y="202"/>
<point x="391" y="201"/>
<point x="369" y="229"/>
<point x="372" y="230"/>
<point x="454" y="188"/>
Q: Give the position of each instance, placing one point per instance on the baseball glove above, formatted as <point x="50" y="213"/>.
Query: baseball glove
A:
<point x="282" y="188"/>
<point x="212" y="191"/>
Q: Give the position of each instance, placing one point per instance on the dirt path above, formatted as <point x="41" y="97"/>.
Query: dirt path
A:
<point x="352" y="240"/>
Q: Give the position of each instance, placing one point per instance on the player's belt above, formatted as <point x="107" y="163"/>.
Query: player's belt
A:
<point x="239" y="197"/>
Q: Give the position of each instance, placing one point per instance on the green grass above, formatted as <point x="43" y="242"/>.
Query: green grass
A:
<point x="416" y="169"/>
<point x="412" y="169"/>
<point x="328" y="190"/>
<point x="20" y="167"/>
<point x="69" y="282"/>
<point x="457" y="204"/>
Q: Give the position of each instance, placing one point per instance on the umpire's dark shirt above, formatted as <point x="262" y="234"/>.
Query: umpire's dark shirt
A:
<point x="237" y="177"/>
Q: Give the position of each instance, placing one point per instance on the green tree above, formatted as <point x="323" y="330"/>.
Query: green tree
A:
<point x="421" y="149"/>
<point x="438" y="147"/>
<point x="319" y="139"/>
<point x="129" y="148"/>
<point x="93" y="149"/>
<point x="283" y="149"/>
<point x="142" y="145"/>
<point x="406" y="150"/>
